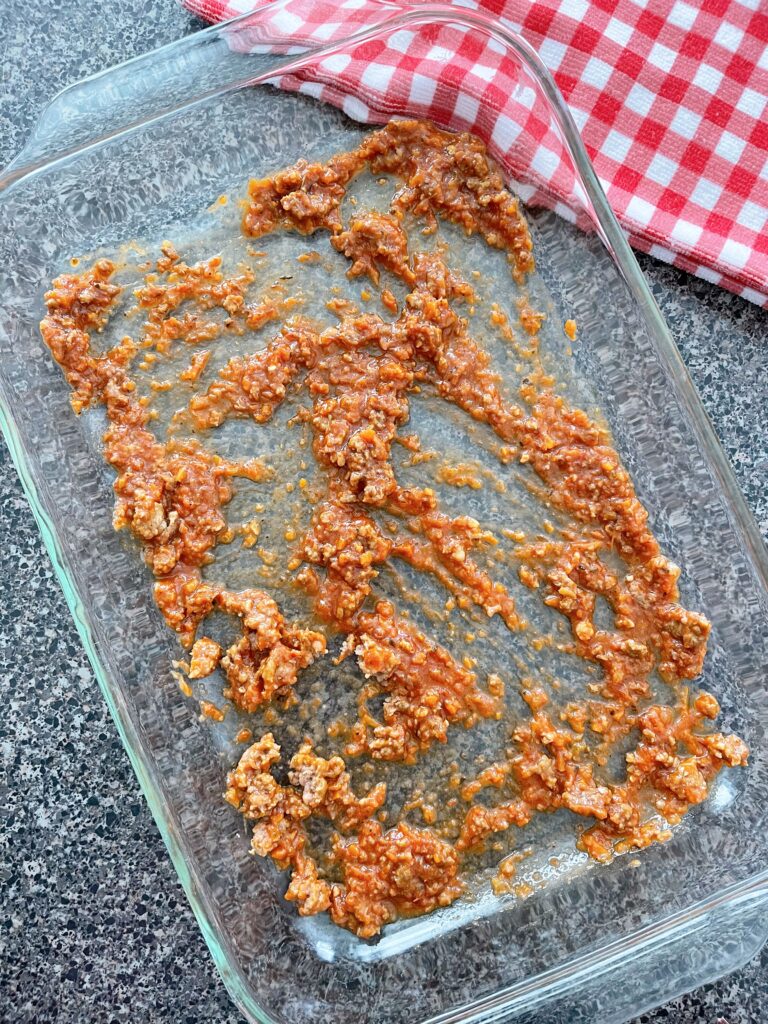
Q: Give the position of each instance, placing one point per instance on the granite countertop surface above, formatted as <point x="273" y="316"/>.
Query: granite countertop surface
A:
<point x="94" y="925"/>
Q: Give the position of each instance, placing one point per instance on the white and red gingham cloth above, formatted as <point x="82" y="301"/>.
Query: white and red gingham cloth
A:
<point x="670" y="97"/>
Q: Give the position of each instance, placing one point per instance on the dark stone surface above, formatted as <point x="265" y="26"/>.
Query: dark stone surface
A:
<point x="94" y="925"/>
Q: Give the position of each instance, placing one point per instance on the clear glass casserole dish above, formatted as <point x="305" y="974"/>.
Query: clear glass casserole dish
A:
<point x="152" y="143"/>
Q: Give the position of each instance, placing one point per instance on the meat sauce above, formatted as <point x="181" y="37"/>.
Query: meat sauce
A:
<point x="358" y="376"/>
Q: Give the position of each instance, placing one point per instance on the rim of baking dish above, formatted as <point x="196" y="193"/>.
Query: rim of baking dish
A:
<point x="556" y="980"/>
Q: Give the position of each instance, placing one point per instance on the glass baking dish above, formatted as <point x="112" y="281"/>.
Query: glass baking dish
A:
<point x="152" y="143"/>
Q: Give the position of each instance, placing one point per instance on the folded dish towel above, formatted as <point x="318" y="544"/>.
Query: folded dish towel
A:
<point x="670" y="98"/>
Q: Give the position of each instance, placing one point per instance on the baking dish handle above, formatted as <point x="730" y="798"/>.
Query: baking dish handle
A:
<point x="152" y="85"/>
<point x="245" y="50"/>
<point x="659" y="963"/>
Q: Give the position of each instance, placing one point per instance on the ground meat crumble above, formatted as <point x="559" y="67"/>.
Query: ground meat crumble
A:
<point x="426" y="689"/>
<point x="384" y="874"/>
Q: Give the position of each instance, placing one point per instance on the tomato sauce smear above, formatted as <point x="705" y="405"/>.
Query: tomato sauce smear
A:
<point x="358" y="377"/>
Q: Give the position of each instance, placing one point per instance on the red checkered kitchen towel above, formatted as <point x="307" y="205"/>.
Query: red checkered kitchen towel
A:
<point x="670" y="98"/>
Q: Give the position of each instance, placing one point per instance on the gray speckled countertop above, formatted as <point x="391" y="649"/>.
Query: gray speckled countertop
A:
<point x="117" y="942"/>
